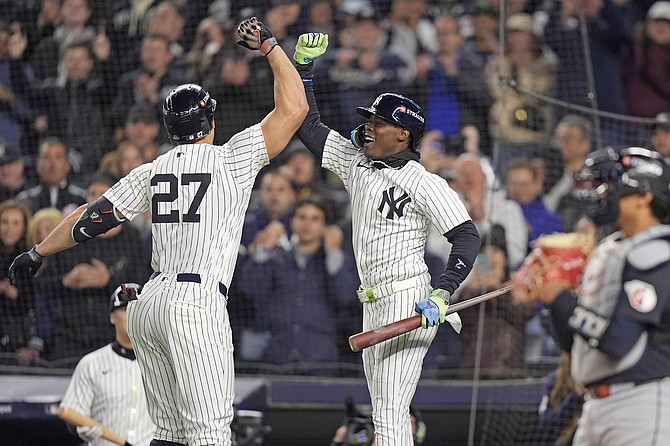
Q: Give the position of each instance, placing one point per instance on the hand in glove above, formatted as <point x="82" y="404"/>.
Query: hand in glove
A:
<point x="30" y="259"/>
<point x="309" y="47"/>
<point x="255" y="35"/>
<point x="433" y="309"/>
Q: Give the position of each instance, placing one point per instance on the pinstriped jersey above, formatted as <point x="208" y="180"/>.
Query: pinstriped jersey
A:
<point x="108" y="388"/>
<point x="392" y="210"/>
<point x="198" y="195"/>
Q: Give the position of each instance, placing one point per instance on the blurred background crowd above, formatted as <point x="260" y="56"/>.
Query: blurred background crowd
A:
<point x="516" y="94"/>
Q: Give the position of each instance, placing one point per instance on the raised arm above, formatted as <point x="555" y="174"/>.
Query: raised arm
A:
<point x="281" y="123"/>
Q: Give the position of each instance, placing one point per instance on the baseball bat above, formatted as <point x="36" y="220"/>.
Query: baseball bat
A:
<point x="78" y="419"/>
<point x="359" y="341"/>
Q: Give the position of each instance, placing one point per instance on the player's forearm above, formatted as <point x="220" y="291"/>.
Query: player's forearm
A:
<point x="60" y="238"/>
<point x="312" y="132"/>
<point x="290" y="101"/>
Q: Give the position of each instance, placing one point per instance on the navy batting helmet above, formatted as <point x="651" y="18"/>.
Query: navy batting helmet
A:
<point x="399" y="110"/>
<point x="123" y="294"/>
<point x="608" y="173"/>
<point x="188" y="113"/>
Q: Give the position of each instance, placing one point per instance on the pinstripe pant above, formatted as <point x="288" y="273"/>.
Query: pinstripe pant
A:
<point x="392" y="368"/>
<point x="181" y="334"/>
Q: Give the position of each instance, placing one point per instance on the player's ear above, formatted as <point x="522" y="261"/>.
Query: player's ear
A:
<point x="403" y="135"/>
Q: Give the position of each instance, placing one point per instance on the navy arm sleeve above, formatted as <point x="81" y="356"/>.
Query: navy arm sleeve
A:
<point x="568" y="318"/>
<point x="312" y="132"/>
<point x="466" y="243"/>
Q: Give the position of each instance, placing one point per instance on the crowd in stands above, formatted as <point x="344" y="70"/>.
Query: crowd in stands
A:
<point x="81" y="91"/>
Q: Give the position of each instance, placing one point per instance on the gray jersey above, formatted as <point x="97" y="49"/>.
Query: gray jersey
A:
<point x="108" y="388"/>
<point x="198" y="195"/>
<point x="388" y="247"/>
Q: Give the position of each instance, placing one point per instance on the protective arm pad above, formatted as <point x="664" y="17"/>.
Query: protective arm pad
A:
<point x="466" y="243"/>
<point x="98" y="218"/>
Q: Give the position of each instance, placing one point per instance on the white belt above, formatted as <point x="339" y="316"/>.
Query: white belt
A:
<point x="375" y="293"/>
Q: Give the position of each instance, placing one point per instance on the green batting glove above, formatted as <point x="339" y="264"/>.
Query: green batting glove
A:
<point x="433" y="309"/>
<point x="309" y="47"/>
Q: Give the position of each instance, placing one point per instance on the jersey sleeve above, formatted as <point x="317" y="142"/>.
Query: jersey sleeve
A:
<point x="440" y="203"/>
<point x="81" y="390"/>
<point x="338" y="155"/>
<point x="246" y="154"/>
<point x="130" y="194"/>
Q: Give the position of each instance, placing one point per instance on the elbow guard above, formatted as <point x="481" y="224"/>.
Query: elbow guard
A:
<point x="98" y="218"/>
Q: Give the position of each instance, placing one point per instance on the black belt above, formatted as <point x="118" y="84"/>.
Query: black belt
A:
<point x="192" y="277"/>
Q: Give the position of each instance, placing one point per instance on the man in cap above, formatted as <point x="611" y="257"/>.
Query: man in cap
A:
<point x="660" y="134"/>
<point x="107" y="385"/>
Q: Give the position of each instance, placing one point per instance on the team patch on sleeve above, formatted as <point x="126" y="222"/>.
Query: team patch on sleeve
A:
<point x="641" y="295"/>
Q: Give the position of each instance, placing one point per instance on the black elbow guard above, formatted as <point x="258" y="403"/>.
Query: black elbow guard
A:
<point x="98" y="218"/>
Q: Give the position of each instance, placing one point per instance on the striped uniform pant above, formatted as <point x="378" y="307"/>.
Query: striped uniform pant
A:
<point x="181" y="334"/>
<point x="393" y="368"/>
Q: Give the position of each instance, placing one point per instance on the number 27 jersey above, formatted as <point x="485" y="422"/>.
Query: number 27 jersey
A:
<point x="198" y="195"/>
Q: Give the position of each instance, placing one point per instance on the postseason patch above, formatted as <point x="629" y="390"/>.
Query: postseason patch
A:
<point x="641" y="295"/>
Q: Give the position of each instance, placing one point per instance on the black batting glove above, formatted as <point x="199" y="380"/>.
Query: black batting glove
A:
<point x="255" y="35"/>
<point x="30" y="259"/>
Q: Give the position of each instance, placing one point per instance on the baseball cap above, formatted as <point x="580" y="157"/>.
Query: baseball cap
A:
<point x="520" y="22"/>
<point x="117" y="300"/>
<point x="142" y="113"/>
<point x="662" y="121"/>
<point x="8" y="153"/>
<point x="659" y="11"/>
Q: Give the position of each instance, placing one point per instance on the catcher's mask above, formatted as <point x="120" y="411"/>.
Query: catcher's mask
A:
<point x="599" y="183"/>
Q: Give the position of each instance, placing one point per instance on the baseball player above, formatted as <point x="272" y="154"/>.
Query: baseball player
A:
<point x="616" y="325"/>
<point x="107" y="384"/>
<point x="198" y="194"/>
<point x="394" y="201"/>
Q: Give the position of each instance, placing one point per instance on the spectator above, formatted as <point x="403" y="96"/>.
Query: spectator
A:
<point x="209" y="45"/>
<point x="523" y="186"/>
<point x="483" y="44"/>
<point x="271" y="219"/>
<point x="41" y="224"/>
<point x="166" y="19"/>
<point x="71" y="107"/>
<point x="142" y="130"/>
<point x="309" y="178"/>
<point x="561" y="404"/>
<point x="74" y="26"/>
<point x="15" y="110"/>
<point x="502" y="348"/>
<point x="456" y="90"/>
<point x="297" y="292"/>
<point x="358" y="71"/>
<point x="117" y="399"/>
<point x="19" y="343"/>
<point x="150" y="83"/>
<point x="573" y="139"/>
<point x="12" y="181"/>
<point x="520" y="121"/>
<point x="608" y="38"/>
<point x="488" y="207"/>
<point x="660" y="134"/>
<point x="83" y="278"/>
<point x="281" y="17"/>
<point x="321" y="17"/>
<point x="647" y="72"/>
<point x="54" y="189"/>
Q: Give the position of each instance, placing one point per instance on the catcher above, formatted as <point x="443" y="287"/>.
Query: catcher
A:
<point x="615" y="322"/>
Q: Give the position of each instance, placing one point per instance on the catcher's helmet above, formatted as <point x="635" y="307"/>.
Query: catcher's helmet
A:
<point x="188" y="113"/>
<point x="118" y="299"/>
<point x="399" y="110"/>
<point x="609" y="173"/>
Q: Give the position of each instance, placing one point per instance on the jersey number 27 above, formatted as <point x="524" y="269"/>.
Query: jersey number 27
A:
<point x="191" y="215"/>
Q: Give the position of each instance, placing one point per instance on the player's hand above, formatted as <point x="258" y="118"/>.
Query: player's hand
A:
<point x="30" y="259"/>
<point x="129" y="292"/>
<point x="89" y="433"/>
<point x="255" y="35"/>
<point x="433" y="309"/>
<point x="358" y="136"/>
<point x="309" y="47"/>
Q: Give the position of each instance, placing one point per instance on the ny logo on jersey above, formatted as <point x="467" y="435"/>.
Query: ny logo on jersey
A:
<point x="396" y="205"/>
